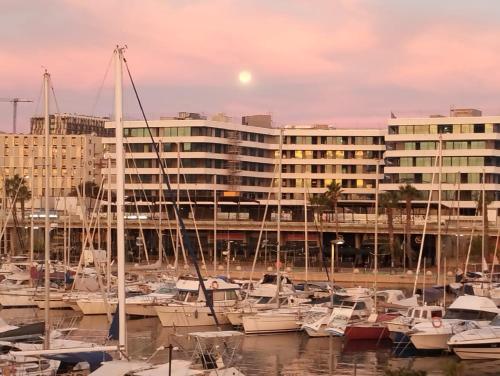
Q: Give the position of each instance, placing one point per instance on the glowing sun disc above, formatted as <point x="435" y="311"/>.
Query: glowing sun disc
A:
<point x="245" y="77"/>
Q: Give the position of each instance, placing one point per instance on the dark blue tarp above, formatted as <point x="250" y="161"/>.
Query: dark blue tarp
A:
<point x="114" y="328"/>
<point x="94" y="359"/>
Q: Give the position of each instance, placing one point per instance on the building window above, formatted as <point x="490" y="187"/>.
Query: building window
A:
<point x="445" y="128"/>
<point x="479" y="128"/>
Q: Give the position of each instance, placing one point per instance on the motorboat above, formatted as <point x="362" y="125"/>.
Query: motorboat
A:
<point x="264" y="296"/>
<point x="213" y="355"/>
<point x="334" y="321"/>
<point x="465" y="313"/>
<point x="191" y="309"/>
<point x="414" y="315"/>
<point x="16" y="291"/>
<point x="373" y="328"/>
<point x="278" y="320"/>
<point x="482" y="343"/>
<point x="56" y="300"/>
<point x="143" y="305"/>
<point x="395" y="301"/>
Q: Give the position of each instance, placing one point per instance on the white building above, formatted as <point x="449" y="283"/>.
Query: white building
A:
<point x="470" y="150"/>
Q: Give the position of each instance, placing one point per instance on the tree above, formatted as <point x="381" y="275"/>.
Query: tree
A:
<point x="479" y="201"/>
<point x="333" y="194"/>
<point x="390" y="201"/>
<point x="18" y="192"/>
<point x="88" y="189"/>
<point x="408" y="193"/>
<point x="319" y="204"/>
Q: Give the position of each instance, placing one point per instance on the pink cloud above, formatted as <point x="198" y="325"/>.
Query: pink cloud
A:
<point x="446" y="56"/>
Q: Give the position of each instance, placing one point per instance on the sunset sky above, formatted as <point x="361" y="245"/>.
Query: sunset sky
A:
<point x="344" y="62"/>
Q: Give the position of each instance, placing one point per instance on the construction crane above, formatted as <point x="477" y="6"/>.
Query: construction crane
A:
<point x="14" y="102"/>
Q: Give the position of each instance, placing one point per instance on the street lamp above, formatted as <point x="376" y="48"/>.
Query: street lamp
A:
<point x="227" y="253"/>
<point x="335" y="242"/>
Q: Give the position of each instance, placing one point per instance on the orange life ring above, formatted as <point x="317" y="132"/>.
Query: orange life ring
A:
<point x="215" y="285"/>
<point x="437" y="322"/>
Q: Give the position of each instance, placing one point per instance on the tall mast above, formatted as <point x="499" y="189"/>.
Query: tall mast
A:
<point x="458" y="220"/>
<point x="440" y="172"/>
<point x="32" y="225"/>
<point x="160" y="194"/>
<point x="278" y="228"/>
<point x="177" y="231"/>
<point x="306" y="238"/>
<point x="108" y="229"/>
<point x="375" y="263"/>
<point x="483" y="212"/>
<point x="215" y="223"/>
<point x="120" y="197"/>
<point x="48" y="171"/>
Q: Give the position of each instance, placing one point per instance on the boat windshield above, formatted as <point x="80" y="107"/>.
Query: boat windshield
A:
<point x="469" y="314"/>
<point x="496" y="321"/>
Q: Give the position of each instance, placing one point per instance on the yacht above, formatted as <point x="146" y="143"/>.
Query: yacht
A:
<point x="143" y="305"/>
<point x="465" y="313"/>
<point x="190" y="309"/>
<point x="482" y="343"/>
<point x="263" y="297"/>
<point x="414" y="315"/>
<point x="16" y="291"/>
<point x="334" y="321"/>
<point x="277" y="320"/>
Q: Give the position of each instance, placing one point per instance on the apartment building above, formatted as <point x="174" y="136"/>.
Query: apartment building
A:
<point x="71" y="124"/>
<point x="239" y="162"/>
<point x="316" y="155"/>
<point x="469" y="143"/>
<point x="75" y="158"/>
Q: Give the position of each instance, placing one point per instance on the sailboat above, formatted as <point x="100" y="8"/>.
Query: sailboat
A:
<point x="23" y="358"/>
<point x="210" y="357"/>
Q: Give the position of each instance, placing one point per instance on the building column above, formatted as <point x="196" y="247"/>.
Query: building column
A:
<point x="357" y="241"/>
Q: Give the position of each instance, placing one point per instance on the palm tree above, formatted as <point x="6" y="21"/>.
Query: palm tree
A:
<point x="488" y="199"/>
<point x="390" y="201"/>
<point x="88" y="190"/>
<point x="408" y="193"/>
<point x="333" y="194"/>
<point x="17" y="190"/>
<point x="319" y="204"/>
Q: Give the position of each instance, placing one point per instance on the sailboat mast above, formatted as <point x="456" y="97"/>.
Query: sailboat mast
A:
<point x="306" y="239"/>
<point x="440" y="172"/>
<point x="120" y="197"/>
<point x="278" y="227"/>
<point x="48" y="170"/>
<point x="32" y="225"/>
<point x="160" y="230"/>
<point x="108" y="230"/>
<point x="483" y="212"/>
<point x="375" y="263"/>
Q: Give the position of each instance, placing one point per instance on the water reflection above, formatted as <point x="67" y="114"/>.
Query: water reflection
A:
<point x="281" y="354"/>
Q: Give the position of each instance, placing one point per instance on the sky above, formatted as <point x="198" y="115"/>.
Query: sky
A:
<point x="349" y="63"/>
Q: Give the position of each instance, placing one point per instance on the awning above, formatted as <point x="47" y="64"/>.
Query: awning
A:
<point x="224" y="235"/>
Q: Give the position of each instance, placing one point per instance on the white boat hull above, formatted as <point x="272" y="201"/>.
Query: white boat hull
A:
<point x="54" y="304"/>
<point x="316" y="332"/>
<point x="189" y="316"/>
<point x="17" y="299"/>
<point x="143" y="310"/>
<point x="268" y="323"/>
<point x="95" y="307"/>
<point x="434" y="341"/>
<point x="471" y="353"/>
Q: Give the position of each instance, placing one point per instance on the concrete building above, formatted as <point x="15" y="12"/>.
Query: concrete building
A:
<point x="71" y="124"/>
<point x="470" y="151"/>
<point x="240" y="160"/>
<point x="75" y="158"/>
<point x="235" y="165"/>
